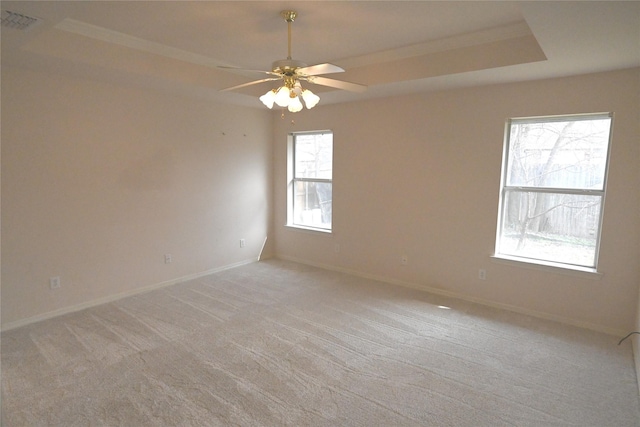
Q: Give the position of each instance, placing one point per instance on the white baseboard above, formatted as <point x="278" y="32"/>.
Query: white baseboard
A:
<point x="115" y="297"/>
<point x="508" y="307"/>
<point x="488" y="303"/>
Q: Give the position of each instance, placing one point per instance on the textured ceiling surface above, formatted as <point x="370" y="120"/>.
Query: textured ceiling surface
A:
<point x="393" y="47"/>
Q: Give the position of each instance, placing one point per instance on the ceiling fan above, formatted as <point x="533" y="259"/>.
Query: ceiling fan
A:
<point x="291" y="72"/>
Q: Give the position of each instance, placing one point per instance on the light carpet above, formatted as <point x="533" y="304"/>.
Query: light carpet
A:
<point x="276" y="343"/>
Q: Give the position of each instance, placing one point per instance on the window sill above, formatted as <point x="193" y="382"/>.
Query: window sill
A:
<point x="576" y="271"/>
<point x="308" y="229"/>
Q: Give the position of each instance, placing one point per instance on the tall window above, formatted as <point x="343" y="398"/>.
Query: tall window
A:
<point x="311" y="172"/>
<point x="553" y="188"/>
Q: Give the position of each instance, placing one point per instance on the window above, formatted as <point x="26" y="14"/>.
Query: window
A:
<point x="553" y="187"/>
<point x="310" y="180"/>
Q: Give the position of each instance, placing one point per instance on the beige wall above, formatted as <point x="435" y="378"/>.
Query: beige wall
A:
<point x="100" y="181"/>
<point x="419" y="175"/>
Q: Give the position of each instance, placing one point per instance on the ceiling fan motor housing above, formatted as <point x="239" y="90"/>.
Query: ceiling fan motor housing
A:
<point x="287" y="67"/>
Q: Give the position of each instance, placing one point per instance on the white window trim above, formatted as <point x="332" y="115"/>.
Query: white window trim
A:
<point x="539" y="264"/>
<point x="548" y="266"/>
<point x="290" y="184"/>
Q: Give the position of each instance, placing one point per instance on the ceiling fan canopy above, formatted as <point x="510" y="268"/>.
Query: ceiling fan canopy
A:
<point x="291" y="72"/>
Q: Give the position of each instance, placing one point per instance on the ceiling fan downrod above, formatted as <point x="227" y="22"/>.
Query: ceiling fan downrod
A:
<point x="288" y="66"/>
<point x="289" y="16"/>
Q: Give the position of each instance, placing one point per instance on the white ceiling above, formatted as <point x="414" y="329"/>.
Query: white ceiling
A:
<point x="394" y="47"/>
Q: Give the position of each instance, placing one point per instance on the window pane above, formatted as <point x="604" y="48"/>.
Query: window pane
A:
<point x="551" y="227"/>
<point x="558" y="154"/>
<point x="312" y="204"/>
<point x="314" y="156"/>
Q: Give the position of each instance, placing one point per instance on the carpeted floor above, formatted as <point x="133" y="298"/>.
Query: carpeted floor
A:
<point x="276" y="343"/>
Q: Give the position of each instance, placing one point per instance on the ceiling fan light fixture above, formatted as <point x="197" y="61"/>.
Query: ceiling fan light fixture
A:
<point x="289" y="97"/>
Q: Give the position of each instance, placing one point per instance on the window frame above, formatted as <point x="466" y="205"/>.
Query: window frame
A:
<point x="292" y="180"/>
<point x="506" y="189"/>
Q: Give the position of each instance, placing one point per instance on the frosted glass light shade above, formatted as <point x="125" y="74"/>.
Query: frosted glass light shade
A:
<point x="310" y="98"/>
<point x="282" y="97"/>
<point x="295" y="105"/>
<point x="297" y="88"/>
<point x="269" y="98"/>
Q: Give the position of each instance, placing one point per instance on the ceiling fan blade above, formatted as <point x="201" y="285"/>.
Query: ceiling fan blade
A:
<point x="314" y="70"/>
<point x="245" y="71"/>
<point x="270" y="79"/>
<point x="339" y="84"/>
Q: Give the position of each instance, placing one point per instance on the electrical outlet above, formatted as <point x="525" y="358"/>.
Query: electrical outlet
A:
<point x="167" y="258"/>
<point x="404" y="260"/>
<point x="482" y="274"/>
<point x="336" y="248"/>
<point x="242" y="243"/>
<point x="54" y="282"/>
